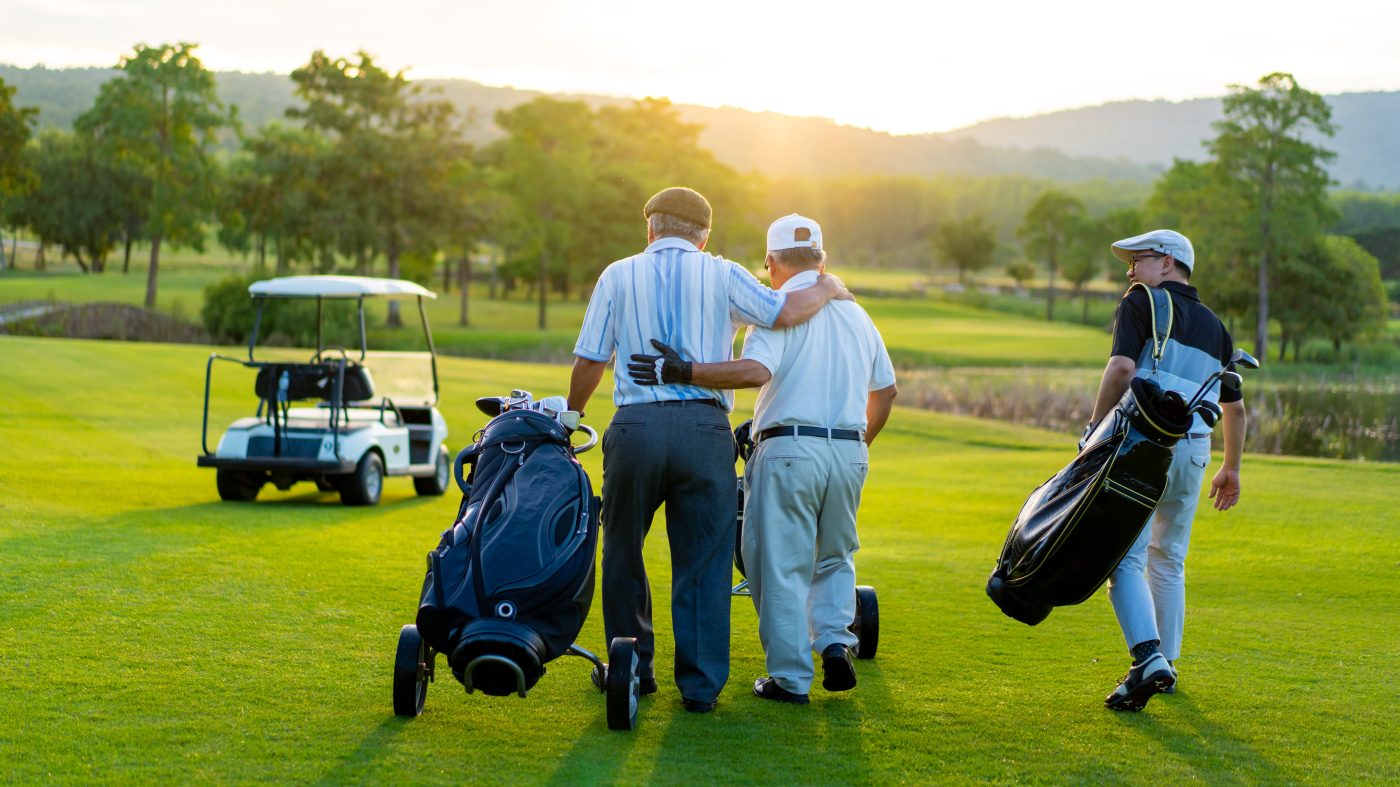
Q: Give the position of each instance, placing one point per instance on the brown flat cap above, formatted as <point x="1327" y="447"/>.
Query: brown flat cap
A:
<point x="680" y="201"/>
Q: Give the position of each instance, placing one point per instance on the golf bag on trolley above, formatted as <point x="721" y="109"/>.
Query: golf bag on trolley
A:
<point x="1074" y="529"/>
<point x="509" y="586"/>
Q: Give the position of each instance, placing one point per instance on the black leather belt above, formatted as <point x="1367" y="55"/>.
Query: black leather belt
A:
<point x="1197" y="435"/>
<point x="679" y="402"/>
<point x="808" y="431"/>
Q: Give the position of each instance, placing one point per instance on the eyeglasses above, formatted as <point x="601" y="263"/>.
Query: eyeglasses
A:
<point x="1136" y="258"/>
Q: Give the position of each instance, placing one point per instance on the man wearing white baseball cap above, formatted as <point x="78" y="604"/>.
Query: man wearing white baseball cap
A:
<point x="1148" y="588"/>
<point x="827" y="389"/>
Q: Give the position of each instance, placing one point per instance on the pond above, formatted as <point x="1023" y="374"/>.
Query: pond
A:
<point x="1340" y="417"/>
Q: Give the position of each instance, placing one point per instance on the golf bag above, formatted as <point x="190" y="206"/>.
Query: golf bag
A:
<point x="509" y="586"/>
<point x="1074" y="529"/>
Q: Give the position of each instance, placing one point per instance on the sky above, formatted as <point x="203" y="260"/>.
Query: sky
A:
<point x="903" y="67"/>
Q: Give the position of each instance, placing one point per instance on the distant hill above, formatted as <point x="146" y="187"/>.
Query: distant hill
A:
<point x="1124" y="140"/>
<point x="1154" y="132"/>
<point x="765" y="142"/>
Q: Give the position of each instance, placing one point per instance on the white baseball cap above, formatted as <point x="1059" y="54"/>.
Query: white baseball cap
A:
<point x="794" y="232"/>
<point x="1161" y="241"/>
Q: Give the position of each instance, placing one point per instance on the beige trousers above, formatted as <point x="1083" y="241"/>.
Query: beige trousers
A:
<point x="799" y="545"/>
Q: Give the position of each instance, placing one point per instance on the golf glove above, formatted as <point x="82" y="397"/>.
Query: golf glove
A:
<point x="664" y="369"/>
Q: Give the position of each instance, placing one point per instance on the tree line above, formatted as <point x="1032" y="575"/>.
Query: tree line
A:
<point x="370" y="172"/>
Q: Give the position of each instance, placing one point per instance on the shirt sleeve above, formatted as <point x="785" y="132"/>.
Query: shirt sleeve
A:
<point x="597" y="339"/>
<point x="750" y="302"/>
<point x="1132" y="325"/>
<point x="882" y="370"/>
<point x="764" y="345"/>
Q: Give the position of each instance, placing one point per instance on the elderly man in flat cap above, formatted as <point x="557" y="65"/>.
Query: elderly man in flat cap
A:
<point x="671" y="443"/>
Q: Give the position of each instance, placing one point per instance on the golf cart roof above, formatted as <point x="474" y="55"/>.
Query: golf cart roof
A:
<point x="338" y="287"/>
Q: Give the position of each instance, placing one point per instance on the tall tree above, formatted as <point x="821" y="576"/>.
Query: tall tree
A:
<point x="15" y="177"/>
<point x="1047" y="231"/>
<point x="80" y="200"/>
<point x="161" y="116"/>
<point x="272" y="196"/>
<point x="1262" y="150"/>
<point x="392" y="149"/>
<point x="970" y="244"/>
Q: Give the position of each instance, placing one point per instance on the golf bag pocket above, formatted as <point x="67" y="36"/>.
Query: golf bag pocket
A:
<point x="509" y="586"/>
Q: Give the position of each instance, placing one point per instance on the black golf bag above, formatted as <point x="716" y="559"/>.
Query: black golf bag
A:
<point x="1075" y="528"/>
<point x="509" y="586"/>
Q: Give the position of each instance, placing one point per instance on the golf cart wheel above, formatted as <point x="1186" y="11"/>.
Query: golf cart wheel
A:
<point x="362" y="487"/>
<point x="436" y="483"/>
<point x="866" y="626"/>
<point x="237" y="485"/>
<point x="623" y="683"/>
<point x="410" y="672"/>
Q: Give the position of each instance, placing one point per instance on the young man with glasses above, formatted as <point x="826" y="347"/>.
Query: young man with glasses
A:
<point x="1148" y="588"/>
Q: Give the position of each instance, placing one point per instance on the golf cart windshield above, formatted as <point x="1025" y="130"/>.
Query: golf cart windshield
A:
<point x="406" y="378"/>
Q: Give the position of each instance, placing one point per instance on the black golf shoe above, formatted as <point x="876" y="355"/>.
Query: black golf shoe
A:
<point x="1152" y="676"/>
<point x="768" y="689"/>
<point x="838" y="670"/>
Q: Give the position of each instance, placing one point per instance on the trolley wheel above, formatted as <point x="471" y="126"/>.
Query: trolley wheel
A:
<point x="410" y="672"/>
<point x="866" y="626"/>
<point x="623" y="683"/>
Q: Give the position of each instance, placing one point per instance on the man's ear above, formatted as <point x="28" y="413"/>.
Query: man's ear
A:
<point x="703" y="241"/>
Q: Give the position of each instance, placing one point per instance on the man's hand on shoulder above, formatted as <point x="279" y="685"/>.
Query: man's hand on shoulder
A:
<point x="839" y="291"/>
<point x="664" y="369"/>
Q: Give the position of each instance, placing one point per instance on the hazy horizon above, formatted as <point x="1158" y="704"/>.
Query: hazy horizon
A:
<point x="888" y="66"/>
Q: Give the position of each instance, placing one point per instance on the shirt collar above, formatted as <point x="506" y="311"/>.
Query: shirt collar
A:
<point x="800" y="281"/>
<point x="1181" y="289"/>
<point x="671" y="243"/>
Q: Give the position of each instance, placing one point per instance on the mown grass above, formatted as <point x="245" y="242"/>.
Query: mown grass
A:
<point x="150" y="633"/>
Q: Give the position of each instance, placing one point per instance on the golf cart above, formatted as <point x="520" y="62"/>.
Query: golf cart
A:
<point x="352" y="429"/>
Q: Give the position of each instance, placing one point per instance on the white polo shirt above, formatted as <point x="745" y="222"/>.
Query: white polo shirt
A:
<point x="679" y="295"/>
<point x="823" y="370"/>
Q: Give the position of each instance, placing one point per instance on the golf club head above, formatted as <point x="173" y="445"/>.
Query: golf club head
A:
<point x="1231" y="380"/>
<point x="1242" y="358"/>
<point x="1209" y="412"/>
<point x="491" y="405"/>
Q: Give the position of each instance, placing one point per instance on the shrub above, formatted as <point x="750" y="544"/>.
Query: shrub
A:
<point x="229" y="311"/>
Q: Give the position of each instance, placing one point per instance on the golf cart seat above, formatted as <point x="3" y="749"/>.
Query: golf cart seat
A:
<point x="312" y="381"/>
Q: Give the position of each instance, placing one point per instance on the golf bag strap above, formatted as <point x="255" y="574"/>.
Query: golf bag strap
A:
<point x="1162" y="318"/>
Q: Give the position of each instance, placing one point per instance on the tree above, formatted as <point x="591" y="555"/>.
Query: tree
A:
<point x="1083" y="258"/>
<point x="1047" y="231"/>
<point x="970" y="244"/>
<point x="391" y="153"/>
<point x="1262" y="153"/>
<point x="1336" y="292"/>
<point x="545" y="166"/>
<point x="80" y="199"/>
<point x="273" y="193"/>
<point x="15" y="177"/>
<point x="161" y="117"/>
<point x="1021" y="271"/>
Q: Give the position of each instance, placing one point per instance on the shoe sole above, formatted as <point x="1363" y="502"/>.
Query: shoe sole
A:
<point x="1136" y="699"/>
<point x="838" y="674"/>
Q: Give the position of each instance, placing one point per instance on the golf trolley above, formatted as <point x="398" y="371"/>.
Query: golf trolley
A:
<point x="509" y="586"/>
<point x="358" y="430"/>
<point x="866" y="625"/>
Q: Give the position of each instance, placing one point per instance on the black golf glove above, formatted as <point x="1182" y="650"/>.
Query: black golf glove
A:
<point x="663" y="369"/>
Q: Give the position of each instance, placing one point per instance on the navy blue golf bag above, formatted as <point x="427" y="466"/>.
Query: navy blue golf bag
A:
<point x="509" y="586"/>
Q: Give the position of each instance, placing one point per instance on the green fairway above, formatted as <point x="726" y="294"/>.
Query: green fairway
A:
<point x="150" y="633"/>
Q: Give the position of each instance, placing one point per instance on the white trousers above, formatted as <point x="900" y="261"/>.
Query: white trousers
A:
<point x="1148" y="589"/>
<point x="799" y="547"/>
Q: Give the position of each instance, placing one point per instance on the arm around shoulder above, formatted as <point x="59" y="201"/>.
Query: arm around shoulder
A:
<point x="803" y="305"/>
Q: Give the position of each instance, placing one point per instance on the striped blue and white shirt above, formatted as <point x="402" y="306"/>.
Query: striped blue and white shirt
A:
<point x="692" y="301"/>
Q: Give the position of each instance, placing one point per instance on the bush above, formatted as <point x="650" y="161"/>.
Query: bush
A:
<point x="229" y="312"/>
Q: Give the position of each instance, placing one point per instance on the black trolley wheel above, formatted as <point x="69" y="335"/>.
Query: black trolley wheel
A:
<point x="410" y="672"/>
<point x="866" y="626"/>
<point x="623" y="683"/>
